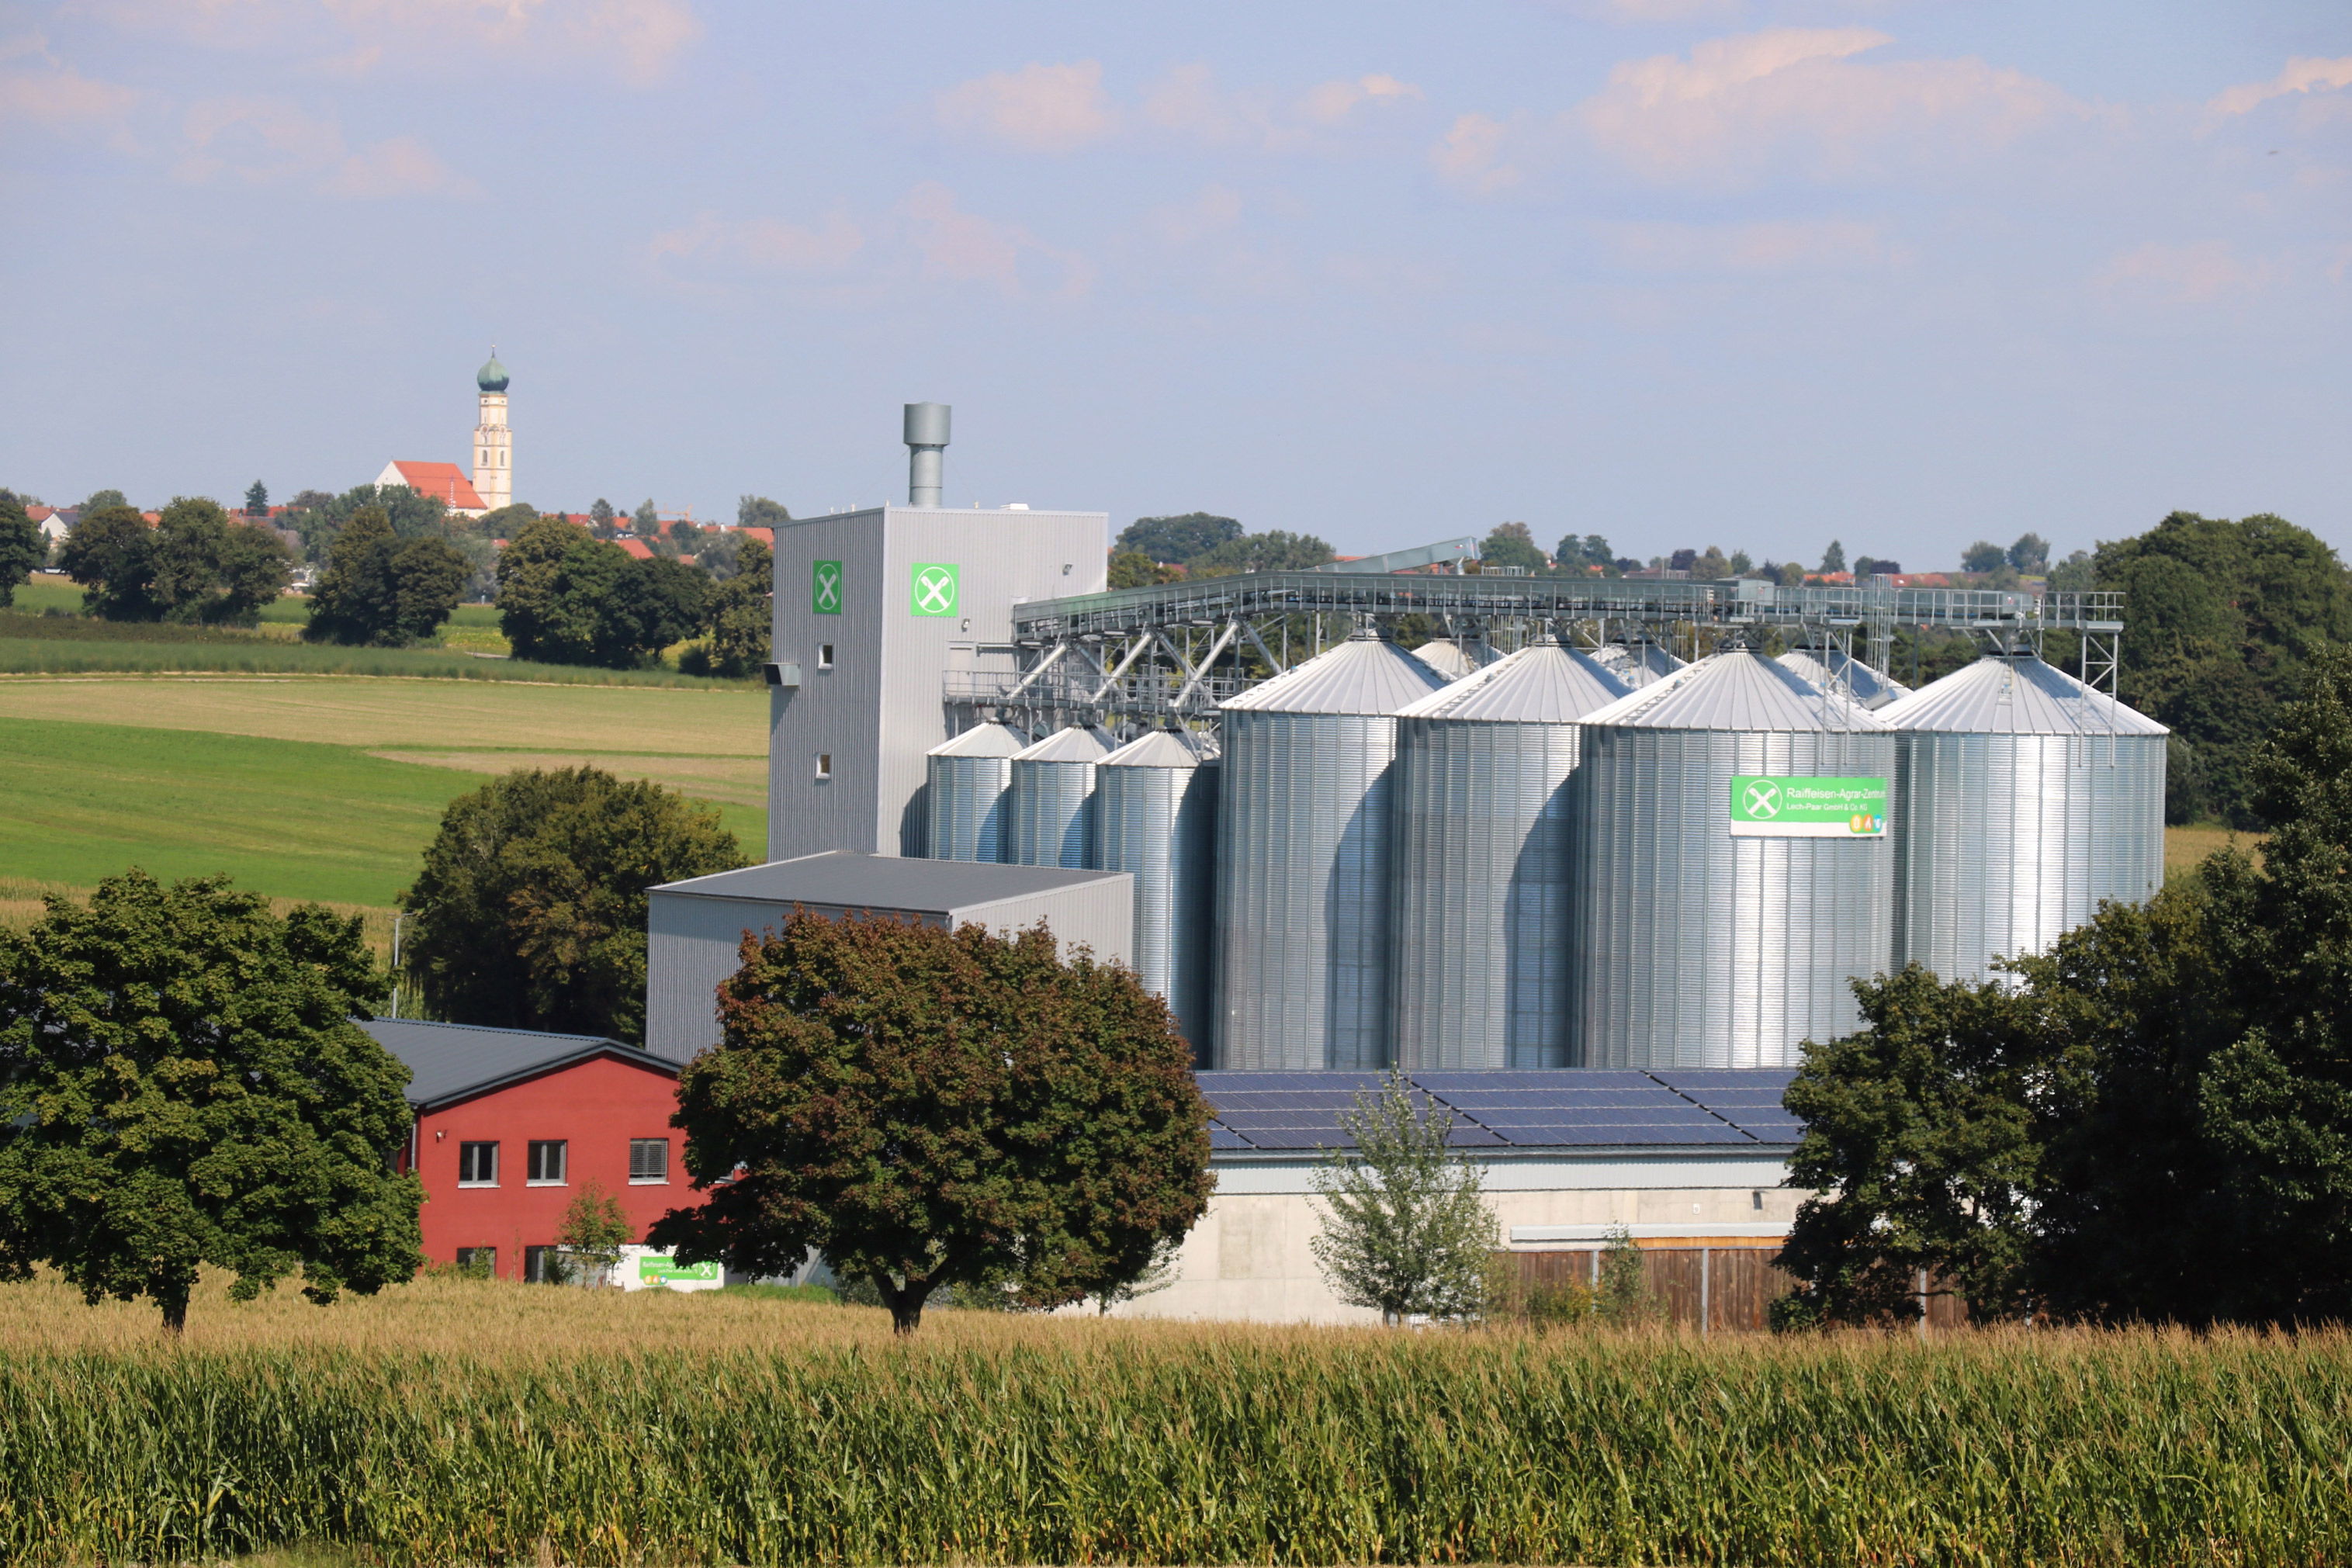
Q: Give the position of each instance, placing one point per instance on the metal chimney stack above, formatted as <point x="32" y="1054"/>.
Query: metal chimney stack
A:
<point x="926" y="438"/>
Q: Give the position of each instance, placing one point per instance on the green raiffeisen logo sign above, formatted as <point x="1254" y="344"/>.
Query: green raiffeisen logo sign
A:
<point x="935" y="588"/>
<point x="824" y="588"/>
<point x="1766" y="806"/>
<point x="653" y="1270"/>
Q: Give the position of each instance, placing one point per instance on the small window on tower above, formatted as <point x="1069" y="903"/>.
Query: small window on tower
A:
<point x="824" y="765"/>
<point x="824" y="655"/>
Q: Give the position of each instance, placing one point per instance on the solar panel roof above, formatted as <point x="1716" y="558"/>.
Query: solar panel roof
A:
<point x="1288" y="1111"/>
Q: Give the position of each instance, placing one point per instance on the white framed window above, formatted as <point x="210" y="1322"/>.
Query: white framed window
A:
<point x="478" y="1165"/>
<point x="648" y="1162"/>
<point x="824" y="765"/>
<point x="547" y="1162"/>
<point x="824" y="655"/>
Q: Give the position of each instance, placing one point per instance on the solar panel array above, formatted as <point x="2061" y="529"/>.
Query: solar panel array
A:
<point x="1278" y="1112"/>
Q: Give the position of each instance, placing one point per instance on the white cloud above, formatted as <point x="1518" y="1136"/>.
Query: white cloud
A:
<point x="639" y="40"/>
<point x="44" y="90"/>
<point x="961" y="246"/>
<point x="1737" y="103"/>
<point x="1045" y="109"/>
<point x="765" y="243"/>
<point x="1785" y="246"/>
<point x="266" y="141"/>
<point x="2210" y="272"/>
<point x="1333" y="101"/>
<point x="2303" y="74"/>
<point x="1473" y="155"/>
<point x="401" y="166"/>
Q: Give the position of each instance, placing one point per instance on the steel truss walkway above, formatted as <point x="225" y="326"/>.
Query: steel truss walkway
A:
<point x="1177" y="650"/>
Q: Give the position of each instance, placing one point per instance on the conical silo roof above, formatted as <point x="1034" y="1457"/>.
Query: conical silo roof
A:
<point x="1543" y="683"/>
<point x="1362" y="675"/>
<point x="1638" y="664"/>
<point x="1078" y="742"/>
<point x="2015" y="695"/>
<point x="1163" y="749"/>
<point x="1737" y="690"/>
<point x="1448" y="657"/>
<point x="1869" y="688"/>
<point x="982" y="740"/>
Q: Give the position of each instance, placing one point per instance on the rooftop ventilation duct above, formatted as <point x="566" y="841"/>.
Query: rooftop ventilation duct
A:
<point x="926" y="438"/>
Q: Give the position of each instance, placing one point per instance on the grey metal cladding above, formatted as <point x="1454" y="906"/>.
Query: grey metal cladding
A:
<point x="969" y="800"/>
<point x="1869" y="688"/>
<point x="1052" y="819"/>
<point x="1638" y="665"/>
<point x="1155" y="817"/>
<point x="1480" y="863"/>
<point x="1302" y="862"/>
<point x="2017" y="809"/>
<point x="1448" y="657"/>
<point x="1694" y="948"/>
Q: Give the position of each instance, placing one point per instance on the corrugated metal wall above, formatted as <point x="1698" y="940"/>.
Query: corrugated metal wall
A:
<point x="1160" y="824"/>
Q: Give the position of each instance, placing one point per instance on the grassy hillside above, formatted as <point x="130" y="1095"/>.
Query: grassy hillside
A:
<point x="325" y="789"/>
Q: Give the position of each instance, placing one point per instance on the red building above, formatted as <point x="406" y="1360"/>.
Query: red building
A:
<point x="514" y="1124"/>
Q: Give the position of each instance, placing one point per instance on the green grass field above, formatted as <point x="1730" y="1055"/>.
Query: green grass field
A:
<point x="325" y="788"/>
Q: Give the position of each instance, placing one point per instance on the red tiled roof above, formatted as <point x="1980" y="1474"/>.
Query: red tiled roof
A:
<point x="637" y="547"/>
<point x="765" y="535"/>
<point x="40" y="514"/>
<point x="444" y="480"/>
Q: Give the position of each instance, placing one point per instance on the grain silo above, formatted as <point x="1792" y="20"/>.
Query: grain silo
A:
<point x="2023" y="797"/>
<point x="1638" y="664"/>
<point x="1871" y="689"/>
<point x="1155" y="817"/>
<point x="966" y="797"/>
<point x="1450" y="657"/>
<point x="1732" y="869"/>
<point x="1302" y="860"/>
<point x="1479" y="863"/>
<point x="1051" y="799"/>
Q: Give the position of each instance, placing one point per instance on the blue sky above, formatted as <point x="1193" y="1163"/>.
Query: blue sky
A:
<point x="1679" y="272"/>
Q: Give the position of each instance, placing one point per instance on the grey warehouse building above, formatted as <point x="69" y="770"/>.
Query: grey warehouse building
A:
<point x="694" y="929"/>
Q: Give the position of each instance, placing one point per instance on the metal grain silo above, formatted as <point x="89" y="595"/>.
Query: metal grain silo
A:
<point x="1051" y="799"/>
<point x="1155" y="817"/>
<point x="1732" y="869"/>
<point x="1479" y="863"/>
<point x="966" y="797"/>
<point x="2023" y="797"/>
<point x="1448" y="656"/>
<point x="1869" y="688"/>
<point x="1638" y="664"/>
<point x="1302" y="861"/>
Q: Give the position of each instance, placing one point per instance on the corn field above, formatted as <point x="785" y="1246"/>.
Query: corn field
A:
<point x="775" y="1432"/>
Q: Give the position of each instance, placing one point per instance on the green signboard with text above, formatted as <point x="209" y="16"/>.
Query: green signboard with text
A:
<point x="1766" y="806"/>
<point x="824" y="588"/>
<point x="657" y="1271"/>
<point x="936" y="588"/>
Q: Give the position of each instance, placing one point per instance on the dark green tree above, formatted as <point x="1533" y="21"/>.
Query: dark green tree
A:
<point x="504" y="522"/>
<point x="1178" y="538"/>
<point x="107" y="554"/>
<point x="2031" y="553"/>
<point x="940" y="1109"/>
<point x="194" y="565"/>
<point x="1834" y="558"/>
<point x="1410" y="1232"/>
<point x="739" y="618"/>
<point x="759" y="512"/>
<point x="1510" y="545"/>
<point x="1984" y="556"/>
<point x="530" y="912"/>
<point x="1133" y="568"/>
<point x="384" y="590"/>
<point x="256" y="499"/>
<point x="181" y="1084"/>
<point x="1273" y="550"/>
<point x="645" y="521"/>
<point x="101" y="500"/>
<point x="23" y="548"/>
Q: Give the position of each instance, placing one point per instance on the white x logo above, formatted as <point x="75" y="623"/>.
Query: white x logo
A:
<point x="1763" y="799"/>
<point x="828" y="585"/>
<point x="935" y="590"/>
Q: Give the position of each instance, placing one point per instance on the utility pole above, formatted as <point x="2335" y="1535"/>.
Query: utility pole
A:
<point x="396" y="963"/>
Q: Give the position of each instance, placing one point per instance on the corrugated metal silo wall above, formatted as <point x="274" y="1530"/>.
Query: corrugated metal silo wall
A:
<point x="1302" y="891"/>
<point x="2003" y="843"/>
<point x="1479" y="908"/>
<point x="1052" y="813"/>
<point x="969" y="801"/>
<point x="1694" y="948"/>
<point x="1160" y="824"/>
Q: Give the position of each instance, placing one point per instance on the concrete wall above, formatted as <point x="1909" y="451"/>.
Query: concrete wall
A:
<point x="879" y="710"/>
<point x="1251" y="1257"/>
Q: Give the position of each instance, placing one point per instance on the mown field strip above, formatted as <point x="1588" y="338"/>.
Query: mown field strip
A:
<point x="509" y="1422"/>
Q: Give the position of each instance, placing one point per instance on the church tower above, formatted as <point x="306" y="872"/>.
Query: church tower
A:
<point x="493" y="442"/>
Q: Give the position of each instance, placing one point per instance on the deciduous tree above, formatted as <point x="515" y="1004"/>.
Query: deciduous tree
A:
<point x="1179" y="539"/>
<point x="182" y="1085"/>
<point x="1408" y="1229"/>
<point x="940" y="1109"/>
<point x="530" y="912"/>
<point x="22" y="547"/>
<point x="1273" y="550"/>
<point x="382" y="590"/>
